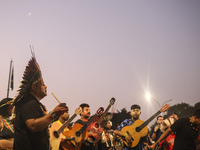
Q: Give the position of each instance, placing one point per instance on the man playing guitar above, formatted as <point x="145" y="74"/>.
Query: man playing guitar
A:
<point x="80" y="141"/>
<point x="55" y="142"/>
<point x="135" y="113"/>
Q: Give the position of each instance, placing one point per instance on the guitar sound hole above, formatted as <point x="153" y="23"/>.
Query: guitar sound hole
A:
<point x="56" y="134"/>
<point x="92" y="138"/>
<point x="138" y="129"/>
<point x="78" y="133"/>
<point x="96" y="125"/>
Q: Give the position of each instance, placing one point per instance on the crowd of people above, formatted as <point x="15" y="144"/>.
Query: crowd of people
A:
<point x="33" y="128"/>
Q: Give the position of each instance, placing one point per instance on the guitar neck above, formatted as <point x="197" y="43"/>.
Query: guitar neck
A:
<point x="149" y="120"/>
<point x="67" y="123"/>
<point x="104" y="114"/>
<point x="87" y="124"/>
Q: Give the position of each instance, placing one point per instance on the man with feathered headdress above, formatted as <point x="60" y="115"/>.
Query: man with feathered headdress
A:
<point x="31" y="121"/>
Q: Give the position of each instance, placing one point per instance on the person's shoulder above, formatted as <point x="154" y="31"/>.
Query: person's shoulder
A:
<point x="80" y="122"/>
<point x="126" y="120"/>
<point x="30" y="102"/>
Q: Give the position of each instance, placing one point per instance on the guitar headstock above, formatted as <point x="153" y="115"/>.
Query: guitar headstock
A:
<point x="78" y="110"/>
<point x="165" y="107"/>
<point x="100" y="111"/>
<point x="112" y="101"/>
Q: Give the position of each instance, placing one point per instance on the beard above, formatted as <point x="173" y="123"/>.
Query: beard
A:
<point x="135" y="117"/>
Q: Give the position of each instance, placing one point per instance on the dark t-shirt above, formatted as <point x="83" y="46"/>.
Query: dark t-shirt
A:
<point x="29" y="108"/>
<point x="158" y="133"/>
<point x="186" y="135"/>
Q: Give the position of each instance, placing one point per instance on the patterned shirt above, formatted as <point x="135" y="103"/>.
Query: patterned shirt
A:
<point x="128" y="122"/>
<point x="7" y="130"/>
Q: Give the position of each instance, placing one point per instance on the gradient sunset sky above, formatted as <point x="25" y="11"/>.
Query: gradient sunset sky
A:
<point x="90" y="51"/>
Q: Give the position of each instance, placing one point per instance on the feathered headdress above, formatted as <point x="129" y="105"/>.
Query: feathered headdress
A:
<point x="32" y="75"/>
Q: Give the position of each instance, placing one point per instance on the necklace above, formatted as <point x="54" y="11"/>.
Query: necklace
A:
<point x="194" y="126"/>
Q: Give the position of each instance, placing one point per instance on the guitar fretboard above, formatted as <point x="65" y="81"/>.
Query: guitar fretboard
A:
<point x="104" y="114"/>
<point x="149" y="120"/>
<point x="87" y="124"/>
<point x="66" y="123"/>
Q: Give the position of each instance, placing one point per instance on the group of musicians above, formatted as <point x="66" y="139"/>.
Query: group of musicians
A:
<point x="33" y="125"/>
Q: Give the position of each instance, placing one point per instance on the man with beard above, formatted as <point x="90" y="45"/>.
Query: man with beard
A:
<point x="186" y="132"/>
<point x="135" y="113"/>
<point x="85" y="114"/>
<point x="79" y="138"/>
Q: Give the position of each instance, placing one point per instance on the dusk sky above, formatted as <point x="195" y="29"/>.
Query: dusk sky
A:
<point x="90" y="51"/>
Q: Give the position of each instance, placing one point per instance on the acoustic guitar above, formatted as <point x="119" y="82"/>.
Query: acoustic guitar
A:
<point x="79" y="131"/>
<point x="95" y="126"/>
<point x="55" y="135"/>
<point x="139" y="127"/>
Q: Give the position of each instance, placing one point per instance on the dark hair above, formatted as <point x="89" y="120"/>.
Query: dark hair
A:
<point x="159" y="117"/>
<point x="135" y="107"/>
<point x="84" y="105"/>
<point x="197" y="113"/>
<point x="4" y="104"/>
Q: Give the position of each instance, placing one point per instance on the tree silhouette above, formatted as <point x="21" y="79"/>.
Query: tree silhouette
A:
<point x="119" y="117"/>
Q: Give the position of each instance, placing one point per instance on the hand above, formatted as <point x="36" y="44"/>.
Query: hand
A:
<point x="156" y="128"/>
<point x="152" y="146"/>
<point x="59" y="110"/>
<point x="155" y="145"/>
<point x="128" y="139"/>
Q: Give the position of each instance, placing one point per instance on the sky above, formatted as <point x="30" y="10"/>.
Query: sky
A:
<point x="90" y="51"/>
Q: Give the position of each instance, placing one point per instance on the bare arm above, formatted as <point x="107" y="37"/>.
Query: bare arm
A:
<point x="153" y="136"/>
<point x="119" y="133"/>
<point x="38" y="124"/>
<point x="41" y="123"/>
<point x="123" y="135"/>
<point x="164" y="135"/>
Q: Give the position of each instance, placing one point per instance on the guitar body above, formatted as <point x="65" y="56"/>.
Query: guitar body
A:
<point x="95" y="127"/>
<point x="72" y="145"/>
<point x="134" y="132"/>
<point x="138" y="128"/>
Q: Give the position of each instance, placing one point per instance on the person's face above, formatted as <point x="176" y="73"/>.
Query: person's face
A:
<point x="40" y="89"/>
<point x="197" y="121"/>
<point x="108" y="125"/>
<point x="10" y="110"/>
<point x="135" y="113"/>
<point x="65" y="116"/>
<point x="85" y="112"/>
<point x="160" y="120"/>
